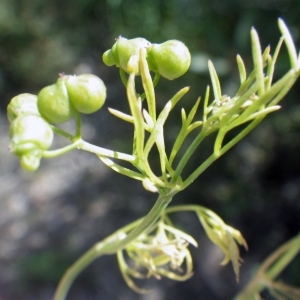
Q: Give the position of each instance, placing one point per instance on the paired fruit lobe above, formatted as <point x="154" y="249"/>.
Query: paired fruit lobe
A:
<point x="30" y="135"/>
<point x="170" y="59"/>
<point x="31" y="160"/>
<point x="122" y="51"/>
<point x="54" y="104"/>
<point x="87" y="92"/>
<point x="31" y="129"/>
<point x="21" y="105"/>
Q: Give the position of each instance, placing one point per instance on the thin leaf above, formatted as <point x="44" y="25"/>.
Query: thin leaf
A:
<point x="148" y="119"/>
<point x="194" y="126"/>
<point x="181" y="234"/>
<point x="137" y="116"/>
<point x="183" y="116"/>
<point x="271" y="63"/>
<point x="205" y="105"/>
<point x="215" y="80"/>
<point x="128" y="280"/>
<point x="157" y="132"/>
<point x="119" y="169"/>
<point x="289" y="43"/>
<point x="257" y="61"/>
<point x="242" y="69"/>
<point x="193" y="111"/>
<point x="147" y="84"/>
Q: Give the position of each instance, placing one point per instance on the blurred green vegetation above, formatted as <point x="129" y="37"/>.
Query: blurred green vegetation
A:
<point x="255" y="187"/>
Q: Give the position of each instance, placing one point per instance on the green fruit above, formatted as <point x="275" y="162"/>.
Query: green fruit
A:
<point x="31" y="160"/>
<point x="109" y="58"/>
<point x="87" y="92"/>
<point x="54" y="104"/>
<point x="170" y="59"/>
<point x="28" y="132"/>
<point x="21" y="105"/>
<point x="122" y="51"/>
<point x="30" y="135"/>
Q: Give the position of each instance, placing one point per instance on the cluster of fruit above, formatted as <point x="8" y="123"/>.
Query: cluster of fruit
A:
<point x="30" y="115"/>
<point x="170" y="59"/>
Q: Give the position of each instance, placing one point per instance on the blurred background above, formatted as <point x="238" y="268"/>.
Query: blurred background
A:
<point x="51" y="217"/>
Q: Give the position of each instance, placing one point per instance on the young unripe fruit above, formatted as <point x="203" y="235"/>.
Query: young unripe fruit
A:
<point x="30" y="135"/>
<point x="87" y="92"/>
<point x="21" y="105"/>
<point x="31" y="161"/>
<point x="54" y="104"/>
<point x="121" y="52"/>
<point x="31" y="129"/>
<point x="170" y="59"/>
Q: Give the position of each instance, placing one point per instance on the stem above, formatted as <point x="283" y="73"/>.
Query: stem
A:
<point x="156" y="79"/>
<point x="188" y="154"/>
<point x="123" y="77"/>
<point x="78" y="125"/>
<point x="70" y="275"/>
<point x="61" y="151"/>
<point x="112" y="244"/>
<point x="187" y="207"/>
<point x="215" y="156"/>
<point x="157" y="210"/>
<point x="62" y="132"/>
<point x="83" y="145"/>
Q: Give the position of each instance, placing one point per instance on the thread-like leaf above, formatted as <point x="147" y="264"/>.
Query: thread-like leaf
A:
<point x="215" y="80"/>
<point x="147" y="84"/>
<point x="257" y="61"/>
<point x="289" y="43"/>
<point x="122" y="170"/>
<point x="242" y="69"/>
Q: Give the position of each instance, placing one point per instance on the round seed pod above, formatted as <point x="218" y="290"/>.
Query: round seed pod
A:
<point x="86" y="92"/>
<point x="170" y="59"/>
<point x="122" y="51"/>
<point x="21" y="105"/>
<point x="31" y="129"/>
<point x="54" y="104"/>
<point x="31" y="161"/>
<point x="30" y="135"/>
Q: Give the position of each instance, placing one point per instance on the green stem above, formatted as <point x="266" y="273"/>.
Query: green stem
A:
<point x="157" y="210"/>
<point x="78" y="125"/>
<point x="112" y="244"/>
<point x="70" y="275"/>
<point x="188" y="207"/>
<point x="61" y="151"/>
<point x="188" y="154"/>
<point x="215" y="156"/>
<point x="123" y="77"/>
<point x="83" y="145"/>
<point x="62" y="132"/>
<point x="156" y="79"/>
